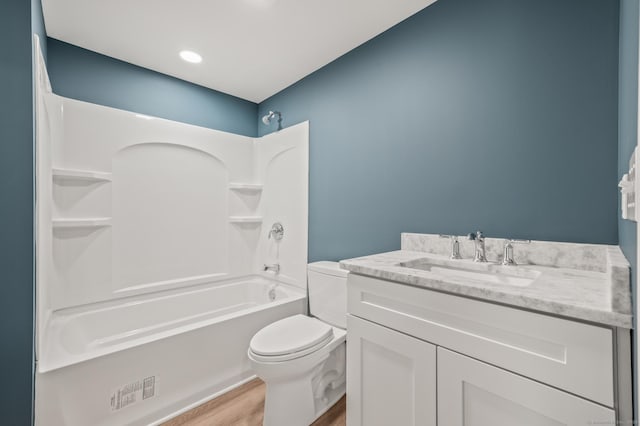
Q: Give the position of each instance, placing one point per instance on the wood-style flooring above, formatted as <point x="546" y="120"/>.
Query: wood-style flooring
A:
<point x="244" y="406"/>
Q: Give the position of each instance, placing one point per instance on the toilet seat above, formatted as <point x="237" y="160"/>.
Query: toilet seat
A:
<point x="290" y="338"/>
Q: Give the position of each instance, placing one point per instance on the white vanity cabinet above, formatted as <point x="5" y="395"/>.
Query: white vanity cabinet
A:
<point x="484" y="363"/>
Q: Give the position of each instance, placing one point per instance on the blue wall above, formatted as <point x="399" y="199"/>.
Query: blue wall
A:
<point x="628" y="129"/>
<point x="16" y="214"/>
<point x="492" y="114"/>
<point x="498" y="115"/>
<point x="88" y="76"/>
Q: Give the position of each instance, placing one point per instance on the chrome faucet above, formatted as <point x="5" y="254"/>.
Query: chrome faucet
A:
<point x="478" y="240"/>
<point x="455" y="246"/>
<point x="275" y="267"/>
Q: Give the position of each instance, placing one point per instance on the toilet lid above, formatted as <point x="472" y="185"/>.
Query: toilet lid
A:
<point x="290" y="335"/>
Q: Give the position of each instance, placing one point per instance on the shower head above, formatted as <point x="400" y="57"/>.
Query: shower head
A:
<point x="267" y="118"/>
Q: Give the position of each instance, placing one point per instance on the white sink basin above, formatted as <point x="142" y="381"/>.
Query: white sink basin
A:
<point x="465" y="270"/>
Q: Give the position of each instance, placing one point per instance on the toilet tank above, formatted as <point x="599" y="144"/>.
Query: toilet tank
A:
<point x="328" y="292"/>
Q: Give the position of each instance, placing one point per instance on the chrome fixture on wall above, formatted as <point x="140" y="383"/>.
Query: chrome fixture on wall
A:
<point x="274" y="267"/>
<point x="267" y="118"/>
<point x="277" y="231"/>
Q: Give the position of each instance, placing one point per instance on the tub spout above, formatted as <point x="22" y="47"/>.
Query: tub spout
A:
<point x="275" y="267"/>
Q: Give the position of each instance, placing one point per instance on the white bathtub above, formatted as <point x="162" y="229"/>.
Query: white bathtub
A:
<point x="189" y="345"/>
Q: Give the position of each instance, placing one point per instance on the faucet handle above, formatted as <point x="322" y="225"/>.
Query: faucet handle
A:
<point x="507" y="257"/>
<point x="277" y="231"/>
<point x="455" y="246"/>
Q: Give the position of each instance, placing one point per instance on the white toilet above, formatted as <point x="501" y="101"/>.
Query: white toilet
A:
<point x="302" y="359"/>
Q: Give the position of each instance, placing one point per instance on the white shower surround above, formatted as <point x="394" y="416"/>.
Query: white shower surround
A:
<point x="151" y="236"/>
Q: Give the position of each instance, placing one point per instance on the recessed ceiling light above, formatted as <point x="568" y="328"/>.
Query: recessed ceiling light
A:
<point x="190" y="56"/>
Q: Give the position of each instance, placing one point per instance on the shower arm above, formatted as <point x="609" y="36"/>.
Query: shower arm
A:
<point x="267" y="118"/>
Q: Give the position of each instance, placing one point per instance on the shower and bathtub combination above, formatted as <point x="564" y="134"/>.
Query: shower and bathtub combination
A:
<point x="152" y="237"/>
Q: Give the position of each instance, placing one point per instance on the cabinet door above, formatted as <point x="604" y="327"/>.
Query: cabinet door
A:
<point x="391" y="377"/>
<point x="472" y="393"/>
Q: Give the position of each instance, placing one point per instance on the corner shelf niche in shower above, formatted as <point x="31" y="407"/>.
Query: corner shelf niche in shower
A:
<point x="80" y="175"/>
<point x="248" y="187"/>
<point x="245" y="219"/>
<point x="85" y="222"/>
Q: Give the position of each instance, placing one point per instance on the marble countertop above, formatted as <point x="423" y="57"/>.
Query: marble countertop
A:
<point x="598" y="294"/>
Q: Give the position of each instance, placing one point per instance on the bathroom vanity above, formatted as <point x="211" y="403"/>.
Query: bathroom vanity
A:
<point x="451" y="342"/>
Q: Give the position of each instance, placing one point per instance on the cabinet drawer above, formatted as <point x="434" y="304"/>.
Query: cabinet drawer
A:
<point x="566" y="354"/>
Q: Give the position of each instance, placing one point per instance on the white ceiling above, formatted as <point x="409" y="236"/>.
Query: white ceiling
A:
<point x="251" y="48"/>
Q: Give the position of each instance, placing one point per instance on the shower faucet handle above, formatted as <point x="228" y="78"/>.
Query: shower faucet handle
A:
<point x="277" y="231"/>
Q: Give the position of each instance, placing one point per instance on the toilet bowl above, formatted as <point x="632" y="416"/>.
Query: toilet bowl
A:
<point x="302" y="359"/>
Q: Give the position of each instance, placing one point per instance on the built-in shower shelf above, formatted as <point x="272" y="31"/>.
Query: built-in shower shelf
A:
<point x="85" y="222"/>
<point x="81" y="175"/>
<point x="253" y="187"/>
<point x="245" y="219"/>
